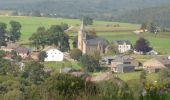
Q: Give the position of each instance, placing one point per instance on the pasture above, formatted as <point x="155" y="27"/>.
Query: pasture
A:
<point x="109" y="30"/>
<point x="30" y="24"/>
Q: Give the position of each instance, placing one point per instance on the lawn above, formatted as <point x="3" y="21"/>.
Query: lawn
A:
<point x="30" y="24"/>
<point x="152" y="77"/>
<point x="57" y="65"/>
<point x="161" y="43"/>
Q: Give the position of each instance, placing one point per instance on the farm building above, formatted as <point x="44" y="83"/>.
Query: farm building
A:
<point x="53" y="54"/>
<point x="23" y="52"/>
<point x="124" y="68"/>
<point x="155" y="64"/>
<point x="9" y="47"/>
<point x="123" y="64"/>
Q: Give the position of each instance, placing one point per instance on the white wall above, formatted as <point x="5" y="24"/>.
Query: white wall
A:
<point x="54" y="55"/>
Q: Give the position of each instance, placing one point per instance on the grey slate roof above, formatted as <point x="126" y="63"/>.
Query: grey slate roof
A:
<point x="122" y="58"/>
<point x="22" y="49"/>
<point x="125" y="65"/>
<point x="121" y="42"/>
<point x="96" y="41"/>
<point x="164" y="60"/>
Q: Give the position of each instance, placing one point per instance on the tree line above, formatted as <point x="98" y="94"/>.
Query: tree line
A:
<point x="34" y="83"/>
<point x="13" y="34"/>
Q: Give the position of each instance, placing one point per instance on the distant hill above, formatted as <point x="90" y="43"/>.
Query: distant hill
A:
<point x="115" y="10"/>
<point x="160" y="15"/>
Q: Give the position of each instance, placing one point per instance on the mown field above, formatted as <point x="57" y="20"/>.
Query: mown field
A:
<point x="109" y="30"/>
<point x="30" y="24"/>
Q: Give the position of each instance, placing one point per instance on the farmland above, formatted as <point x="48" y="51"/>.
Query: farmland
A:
<point x="109" y="30"/>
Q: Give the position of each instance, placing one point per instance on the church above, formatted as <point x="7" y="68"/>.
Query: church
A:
<point x="91" y="46"/>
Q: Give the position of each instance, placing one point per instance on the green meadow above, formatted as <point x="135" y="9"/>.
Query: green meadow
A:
<point x="30" y="24"/>
<point x="108" y="30"/>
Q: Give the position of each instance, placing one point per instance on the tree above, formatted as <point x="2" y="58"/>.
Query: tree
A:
<point x="164" y="77"/>
<point x="144" y="26"/>
<point x="142" y="45"/>
<point x="76" y="54"/>
<point x="89" y="63"/>
<point x="153" y="27"/>
<point x="87" y="20"/>
<point x="39" y="38"/>
<point x="58" y="37"/>
<point x="143" y="75"/>
<point x="15" y="33"/>
<point x="75" y="42"/>
<point x="15" y="56"/>
<point x="3" y="34"/>
<point x="42" y="56"/>
<point x="2" y="53"/>
<point x="64" y="26"/>
<point x="112" y="49"/>
<point x="34" y="73"/>
<point x="64" y="84"/>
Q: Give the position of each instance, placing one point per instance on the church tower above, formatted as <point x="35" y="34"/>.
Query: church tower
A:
<point x="82" y="38"/>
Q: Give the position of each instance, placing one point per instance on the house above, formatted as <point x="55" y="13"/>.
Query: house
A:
<point x="124" y="68"/>
<point x="10" y="46"/>
<point x="34" y="55"/>
<point x="123" y="64"/>
<point x="152" y="52"/>
<point x="53" y="54"/>
<point x="155" y="64"/>
<point x="91" y="45"/>
<point x="123" y="45"/>
<point x="107" y="60"/>
<point x="22" y="51"/>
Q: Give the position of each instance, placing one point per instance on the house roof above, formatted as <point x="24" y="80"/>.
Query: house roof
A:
<point x="125" y="65"/>
<point x="121" y="42"/>
<point x="50" y="47"/>
<point x="164" y="60"/>
<point x="11" y="46"/>
<point x="158" y="62"/>
<point x="97" y="41"/>
<point x="122" y="58"/>
<point x="22" y="49"/>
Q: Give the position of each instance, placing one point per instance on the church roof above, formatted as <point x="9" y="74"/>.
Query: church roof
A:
<point x="121" y="42"/>
<point x="97" y="41"/>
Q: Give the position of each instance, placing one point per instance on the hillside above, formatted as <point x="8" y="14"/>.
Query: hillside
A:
<point x="160" y="15"/>
<point x="98" y="9"/>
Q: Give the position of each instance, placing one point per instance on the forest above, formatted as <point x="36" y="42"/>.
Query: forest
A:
<point x="133" y="11"/>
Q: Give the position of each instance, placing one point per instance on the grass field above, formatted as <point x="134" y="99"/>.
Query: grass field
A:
<point x="108" y="30"/>
<point x="30" y="24"/>
<point x="161" y="43"/>
<point x="152" y="77"/>
<point x="57" y="65"/>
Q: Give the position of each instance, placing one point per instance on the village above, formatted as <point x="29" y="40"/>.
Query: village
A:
<point x="123" y="61"/>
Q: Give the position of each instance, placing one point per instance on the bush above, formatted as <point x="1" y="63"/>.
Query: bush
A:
<point x="75" y="54"/>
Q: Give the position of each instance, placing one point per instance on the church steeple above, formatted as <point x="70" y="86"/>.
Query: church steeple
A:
<point x="82" y="37"/>
<point x="82" y="26"/>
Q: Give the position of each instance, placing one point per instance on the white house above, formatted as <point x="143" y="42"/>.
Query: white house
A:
<point x="123" y="45"/>
<point x="53" y="54"/>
